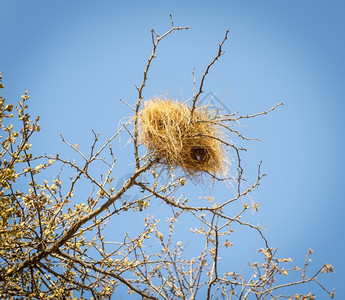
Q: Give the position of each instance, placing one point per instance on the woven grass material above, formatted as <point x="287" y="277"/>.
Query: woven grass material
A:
<point x="178" y="139"/>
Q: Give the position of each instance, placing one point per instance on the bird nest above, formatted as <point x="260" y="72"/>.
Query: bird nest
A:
<point x="180" y="138"/>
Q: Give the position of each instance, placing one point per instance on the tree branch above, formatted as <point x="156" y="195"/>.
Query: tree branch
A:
<point x="219" y="54"/>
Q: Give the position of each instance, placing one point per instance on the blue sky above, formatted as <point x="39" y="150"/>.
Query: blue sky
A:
<point x="77" y="58"/>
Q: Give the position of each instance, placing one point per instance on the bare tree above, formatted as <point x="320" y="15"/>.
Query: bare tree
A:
<point x="54" y="241"/>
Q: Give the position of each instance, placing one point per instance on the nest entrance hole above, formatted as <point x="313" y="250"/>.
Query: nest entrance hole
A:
<point x="200" y="154"/>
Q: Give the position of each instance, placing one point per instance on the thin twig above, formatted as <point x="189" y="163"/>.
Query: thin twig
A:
<point x="219" y="54"/>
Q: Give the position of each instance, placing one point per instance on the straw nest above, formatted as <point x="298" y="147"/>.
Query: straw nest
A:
<point x="178" y="139"/>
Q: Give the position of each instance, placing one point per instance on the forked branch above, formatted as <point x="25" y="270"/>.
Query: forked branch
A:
<point x="219" y="54"/>
<point x="156" y="38"/>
